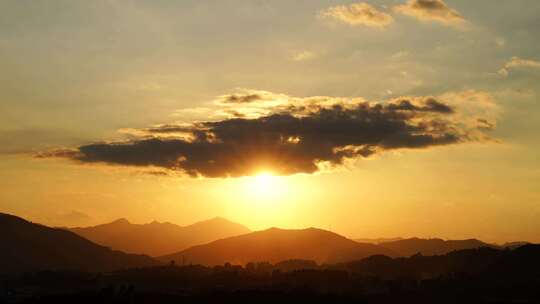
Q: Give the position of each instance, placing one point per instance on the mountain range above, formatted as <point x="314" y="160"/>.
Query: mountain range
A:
<point x="32" y="247"/>
<point x="408" y="247"/>
<point x="275" y="245"/>
<point x="523" y="263"/>
<point x="157" y="239"/>
<point x="377" y="240"/>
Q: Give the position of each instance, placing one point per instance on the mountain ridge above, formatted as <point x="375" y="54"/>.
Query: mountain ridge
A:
<point x="158" y="238"/>
<point x="433" y="246"/>
<point x="35" y="247"/>
<point x="275" y="245"/>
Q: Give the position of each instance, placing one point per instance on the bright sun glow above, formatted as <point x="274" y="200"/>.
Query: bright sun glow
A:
<point x="264" y="187"/>
<point x="264" y="183"/>
<point x="263" y="198"/>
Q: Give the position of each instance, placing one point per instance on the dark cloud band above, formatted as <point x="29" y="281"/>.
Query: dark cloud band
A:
<point x="295" y="140"/>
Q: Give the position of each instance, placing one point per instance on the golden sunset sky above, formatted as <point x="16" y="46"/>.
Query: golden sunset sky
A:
<point x="372" y="119"/>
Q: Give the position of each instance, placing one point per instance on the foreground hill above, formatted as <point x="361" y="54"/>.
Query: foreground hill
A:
<point x="156" y="238"/>
<point x="275" y="245"/>
<point x="483" y="275"/>
<point x="514" y="245"/>
<point x="33" y="247"/>
<point x="408" y="247"/>
<point x="522" y="263"/>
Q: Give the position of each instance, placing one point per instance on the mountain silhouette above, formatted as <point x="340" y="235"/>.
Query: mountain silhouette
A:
<point x="32" y="247"/>
<point x="480" y="275"/>
<point x="275" y="245"/>
<point x="490" y="261"/>
<point x="156" y="239"/>
<point x="514" y="245"/>
<point x="522" y="262"/>
<point x="377" y="240"/>
<point x="408" y="247"/>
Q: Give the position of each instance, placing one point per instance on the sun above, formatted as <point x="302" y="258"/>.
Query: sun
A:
<point x="264" y="183"/>
<point x="264" y="188"/>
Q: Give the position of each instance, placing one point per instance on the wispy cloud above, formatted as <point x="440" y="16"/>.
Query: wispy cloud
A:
<point x="516" y="62"/>
<point x="359" y="14"/>
<point x="304" y="56"/>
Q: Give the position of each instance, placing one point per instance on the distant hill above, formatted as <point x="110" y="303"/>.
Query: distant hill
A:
<point x="32" y="247"/>
<point x="377" y="240"/>
<point x="157" y="238"/>
<point x="275" y="245"/>
<point x="515" y="245"/>
<point x="408" y="247"/>
<point x="522" y="263"/>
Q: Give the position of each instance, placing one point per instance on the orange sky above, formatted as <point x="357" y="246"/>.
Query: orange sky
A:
<point x="379" y="119"/>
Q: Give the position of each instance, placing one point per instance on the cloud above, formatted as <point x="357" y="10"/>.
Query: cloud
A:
<point x="245" y="96"/>
<point x="485" y="124"/>
<point x="430" y="10"/>
<point x="516" y="62"/>
<point x="359" y="14"/>
<point x="304" y="56"/>
<point x="429" y="105"/>
<point x="295" y="135"/>
<point x="241" y="98"/>
<point x="477" y="109"/>
<point x="399" y="55"/>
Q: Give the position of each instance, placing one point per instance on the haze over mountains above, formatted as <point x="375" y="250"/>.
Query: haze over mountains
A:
<point x="32" y="247"/>
<point x="377" y="240"/>
<point x="159" y="239"/>
<point x="275" y="245"/>
<point x="156" y="239"/>
<point x="408" y="247"/>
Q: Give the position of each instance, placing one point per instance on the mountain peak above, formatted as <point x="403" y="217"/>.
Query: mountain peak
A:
<point x="302" y="229"/>
<point x="431" y="246"/>
<point x="277" y="244"/>
<point x="158" y="238"/>
<point x="121" y="221"/>
<point x="274" y="229"/>
<point x="217" y="219"/>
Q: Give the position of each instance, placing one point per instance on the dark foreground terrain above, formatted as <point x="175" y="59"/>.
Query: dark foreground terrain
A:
<point x="483" y="275"/>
